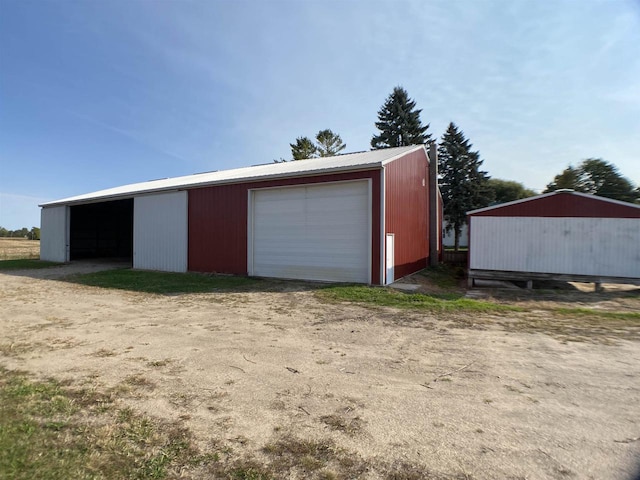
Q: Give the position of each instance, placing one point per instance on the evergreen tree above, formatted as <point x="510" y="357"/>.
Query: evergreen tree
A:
<point x="399" y="122"/>
<point x="329" y="143"/>
<point x="303" y="148"/>
<point x="463" y="185"/>
<point x="597" y="177"/>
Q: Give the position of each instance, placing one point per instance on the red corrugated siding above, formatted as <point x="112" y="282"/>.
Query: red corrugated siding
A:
<point x="407" y="211"/>
<point x="564" y="204"/>
<point x="218" y="222"/>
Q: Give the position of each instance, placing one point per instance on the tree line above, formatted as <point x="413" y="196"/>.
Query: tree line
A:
<point x="33" y="234"/>
<point x="463" y="185"/>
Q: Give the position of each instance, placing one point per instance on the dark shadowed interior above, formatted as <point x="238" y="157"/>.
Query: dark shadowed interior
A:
<point x="102" y="230"/>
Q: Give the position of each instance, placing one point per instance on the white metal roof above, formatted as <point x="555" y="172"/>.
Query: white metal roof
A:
<point x="556" y="192"/>
<point x="314" y="166"/>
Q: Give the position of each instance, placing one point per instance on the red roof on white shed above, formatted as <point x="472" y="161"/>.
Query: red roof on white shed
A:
<point x="562" y="203"/>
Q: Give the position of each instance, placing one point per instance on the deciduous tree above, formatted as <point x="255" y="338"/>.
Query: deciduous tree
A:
<point x="597" y="177"/>
<point x="508" y="190"/>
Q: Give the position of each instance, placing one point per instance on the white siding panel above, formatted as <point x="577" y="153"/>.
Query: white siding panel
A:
<point x="578" y="246"/>
<point x="160" y="236"/>
<point x="449" y="240"/>
<point x="316" y="232"/>
<point x="54" y="234"/>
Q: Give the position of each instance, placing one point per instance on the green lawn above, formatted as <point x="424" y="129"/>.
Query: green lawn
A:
<point x="25" y="263"/>
<point x="162" y="282"/>
<point x="49" y="431"/>
<point x="377" y="296"/>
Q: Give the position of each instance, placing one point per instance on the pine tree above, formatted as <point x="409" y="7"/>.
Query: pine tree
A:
<point x="463" y="185"/>
<point x="329" y="143"/>
<point x="303" y="148"/>
<point x="399" y="122"/>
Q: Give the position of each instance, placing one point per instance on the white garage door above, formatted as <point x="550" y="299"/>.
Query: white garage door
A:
<point x="314" y="232"/>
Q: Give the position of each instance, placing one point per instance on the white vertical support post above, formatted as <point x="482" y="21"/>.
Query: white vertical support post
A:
<point x="434" y="211"/>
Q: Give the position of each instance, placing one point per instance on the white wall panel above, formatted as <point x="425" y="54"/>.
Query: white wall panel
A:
<point x="578" y="246"/>
<point x="313" y="232"/>
<point x="54" y="230"/>
<point x="449" y="240"/>
<point x="160" y="236"/>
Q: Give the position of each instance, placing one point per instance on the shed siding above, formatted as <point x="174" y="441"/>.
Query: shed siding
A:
<point x="218" y="222"/>
<point x="407" y="211"/>
<point x="160" y="232"/>
<point x="449" y="238"/>
<point x="54" y="227"/>
<point x="575" y="246"/>
<point x="564" y="204"/>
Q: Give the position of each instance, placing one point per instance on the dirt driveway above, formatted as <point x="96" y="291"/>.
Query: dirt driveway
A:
<point x="456" y="396"/>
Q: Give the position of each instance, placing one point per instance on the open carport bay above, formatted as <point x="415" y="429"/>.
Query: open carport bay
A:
<point x="455" y="395"/>
<point x="101" y="230"/>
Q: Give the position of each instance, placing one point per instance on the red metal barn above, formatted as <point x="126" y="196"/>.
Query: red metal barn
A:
<point x="561" y="235"/>
<point x="361" y="217"/>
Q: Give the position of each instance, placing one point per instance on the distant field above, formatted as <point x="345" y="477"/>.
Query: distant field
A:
<point x="13" y="248"/>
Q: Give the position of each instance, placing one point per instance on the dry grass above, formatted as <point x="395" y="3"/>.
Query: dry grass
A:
<point x="324" y="460"/>
<point x="349" y="426"/>
<point x="17" y="248"/>
<point x="51" y="429"/>
<point x="580" y="326"/>
<point x="15" y="349"/>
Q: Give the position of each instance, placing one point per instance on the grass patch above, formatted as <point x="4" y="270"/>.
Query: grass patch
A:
<point x="324" y="460"/>
<point x="315" y="459"/>
<point x="26" y="264"/>
<point x="567" y="325"/>
<point x="161" y="282"/>
<point x="444" y="276"/>
<point x="341" y="424"/>
<point x="387" y="297"/>
<point x="15" y="349"/>
<point x="57" y="431"/>
<point x="49" y="430"/>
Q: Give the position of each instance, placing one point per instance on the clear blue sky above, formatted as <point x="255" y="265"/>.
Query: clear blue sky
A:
<point x="99" y="94"/>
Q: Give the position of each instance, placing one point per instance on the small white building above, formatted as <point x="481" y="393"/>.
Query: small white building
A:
<point x="449" y="240"/>
<point x="562" y="235"/>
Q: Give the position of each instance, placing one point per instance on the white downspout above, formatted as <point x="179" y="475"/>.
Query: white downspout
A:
<point x="383" y="270"/>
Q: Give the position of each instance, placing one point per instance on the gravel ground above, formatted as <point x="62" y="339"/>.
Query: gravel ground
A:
<point x="460" y="395"/>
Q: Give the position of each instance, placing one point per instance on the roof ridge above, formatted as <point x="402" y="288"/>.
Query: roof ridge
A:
<point x="353" y="161"/>
<point x="563" y="191"/>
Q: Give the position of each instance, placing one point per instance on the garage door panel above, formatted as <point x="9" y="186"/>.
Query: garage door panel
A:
<point x="318" y="232"/>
